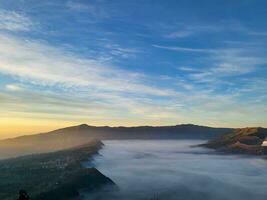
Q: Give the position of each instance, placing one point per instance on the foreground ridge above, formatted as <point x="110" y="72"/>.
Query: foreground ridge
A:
<point x="52" y="176"/>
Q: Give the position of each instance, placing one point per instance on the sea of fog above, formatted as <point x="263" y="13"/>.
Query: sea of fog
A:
<point x="174" y="170"/>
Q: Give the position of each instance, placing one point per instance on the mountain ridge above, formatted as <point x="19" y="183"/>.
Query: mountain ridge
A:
<point x="76" y="135"/>
<point x="111" y="127"/>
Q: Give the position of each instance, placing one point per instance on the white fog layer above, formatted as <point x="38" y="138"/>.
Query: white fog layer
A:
<point x="174" y="170"/>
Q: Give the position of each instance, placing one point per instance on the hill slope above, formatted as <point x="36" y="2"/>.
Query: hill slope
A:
<point x="77" y="135"/>
<point x="51" y="176"/>
<point x="244" y="140"/>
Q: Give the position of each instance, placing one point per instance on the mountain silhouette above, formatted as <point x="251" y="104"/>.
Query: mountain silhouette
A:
<point x="77" y="135"/>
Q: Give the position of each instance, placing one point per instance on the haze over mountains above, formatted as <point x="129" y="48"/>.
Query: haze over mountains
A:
<point x="81" y="134"/>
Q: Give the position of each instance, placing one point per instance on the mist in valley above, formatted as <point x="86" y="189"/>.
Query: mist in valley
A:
<point x="174" y="170"/>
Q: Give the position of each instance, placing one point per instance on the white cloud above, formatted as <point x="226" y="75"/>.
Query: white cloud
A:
<point x="123" y="52"/>
<point x="95" y="9"/>
<point x="188" y="69"/>
<point x="13" y="87"/>
<point x="44" y="64"/>
<point x="192" y="30"/>
<point x="78" y="6"/>
<point x="195" y="106"/>
<point x="257" y="33"/>
<point x="184" y="49"/>
<point x="113" y="93"/>
<point x="229" y="63"/>
<point x="223" y="62"/>
<point x="180" y="34"/>
<point x="14" y="21"/>
<point x="187" y="30"/>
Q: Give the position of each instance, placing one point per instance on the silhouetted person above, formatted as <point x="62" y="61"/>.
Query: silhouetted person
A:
<point x="23" y="195"/>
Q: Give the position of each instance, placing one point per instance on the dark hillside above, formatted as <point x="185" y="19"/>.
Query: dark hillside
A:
<point x="243" y="141"/>
<point x="51" y="176"/>
<point x="77" y="135"/>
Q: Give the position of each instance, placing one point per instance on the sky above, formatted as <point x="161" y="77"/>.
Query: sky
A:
<point x="131" y="63"/>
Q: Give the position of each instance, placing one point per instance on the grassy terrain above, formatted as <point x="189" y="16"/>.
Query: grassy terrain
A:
<point x="58" y="175"/>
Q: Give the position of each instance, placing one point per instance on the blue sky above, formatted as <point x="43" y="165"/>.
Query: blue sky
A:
<point x="130" y="63"/>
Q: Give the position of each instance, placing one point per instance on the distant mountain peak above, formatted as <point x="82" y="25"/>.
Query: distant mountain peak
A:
<point x="83" y="125"/>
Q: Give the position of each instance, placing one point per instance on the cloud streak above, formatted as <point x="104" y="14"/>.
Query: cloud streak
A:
<point x="184" y="49"/>
<point x="224" y="62"/>
<point x="14" y="21"/>
<point x="43" y="64"/>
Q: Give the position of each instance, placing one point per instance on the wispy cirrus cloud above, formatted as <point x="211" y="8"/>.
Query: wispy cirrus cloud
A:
<point x="78" y="6"/>
<point x="180" y="34"/>
<point x="257" y="33"/>
<point x="44" y="64"/>
<point x="184" y="31"/>
<point x="14" y="21"/>
<point x="123" y="52"/>
<point x="95" y="9"/>
<point x="230" y="63"/>
<point x="223" y="62"/>
<point x="198" y="30"/>
<point x="13" y="87"/>
<point x="184" y="49"/>
<point x="102" y="90"/>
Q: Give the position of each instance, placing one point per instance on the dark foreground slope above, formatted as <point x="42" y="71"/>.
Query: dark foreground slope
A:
<point x="241" y="141"/>
<point x="51" y="176"/>
<point x="77" y="135"/>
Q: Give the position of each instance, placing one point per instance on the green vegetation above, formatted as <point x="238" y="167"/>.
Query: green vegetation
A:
<point x="54" y="176"/>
